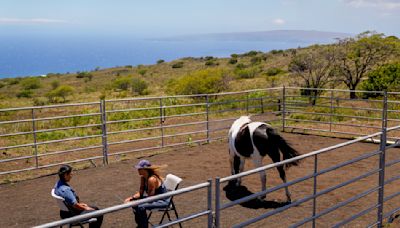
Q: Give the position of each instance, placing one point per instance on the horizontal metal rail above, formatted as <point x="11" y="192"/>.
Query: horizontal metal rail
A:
<point x="332" y="114"/>
<point x="364" y="212"/>
<point x="49" y="106"/>
<point x="48" y="118"/>
<point x="50" y="165"/>
<point x="119" y="207"/>
<point x="333" y="123"/>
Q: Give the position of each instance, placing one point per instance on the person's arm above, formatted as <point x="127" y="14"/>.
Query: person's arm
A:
<point x="138" y="194"/>
<point x="82" y="207"/>
<point x="152" y="186"/>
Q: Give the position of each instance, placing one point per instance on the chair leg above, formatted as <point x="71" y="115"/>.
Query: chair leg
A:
<point x="176" y="213"/>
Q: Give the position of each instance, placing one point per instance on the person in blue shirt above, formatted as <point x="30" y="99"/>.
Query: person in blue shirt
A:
<point x="151" y="183"/>
<point x="63" y="189"/>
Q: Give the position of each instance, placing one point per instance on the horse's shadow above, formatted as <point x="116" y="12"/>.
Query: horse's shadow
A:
<point x="234" y="192"/>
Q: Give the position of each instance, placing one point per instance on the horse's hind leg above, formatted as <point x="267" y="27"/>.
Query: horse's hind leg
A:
<point x="282" y="174"/>
<point x="263" y="177"/>
<point x="237" y="165"/>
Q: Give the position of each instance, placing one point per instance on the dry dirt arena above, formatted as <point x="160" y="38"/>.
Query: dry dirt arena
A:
<point x="29" y="203"/>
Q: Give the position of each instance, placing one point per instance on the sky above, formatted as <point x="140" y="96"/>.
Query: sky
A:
<point x="161" y="18"/>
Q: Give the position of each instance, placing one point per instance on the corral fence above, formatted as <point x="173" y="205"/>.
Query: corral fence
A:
<point x="40" y="138"/>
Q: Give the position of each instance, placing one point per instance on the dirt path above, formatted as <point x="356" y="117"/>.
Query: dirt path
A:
<point x="29" y="203"/>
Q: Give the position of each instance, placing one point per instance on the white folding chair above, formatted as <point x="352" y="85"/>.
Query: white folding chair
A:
<point x="171" y="183"/>
<point x="63" y="207"/>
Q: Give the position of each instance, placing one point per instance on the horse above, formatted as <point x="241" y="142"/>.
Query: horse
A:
<point x="254" y="140"/>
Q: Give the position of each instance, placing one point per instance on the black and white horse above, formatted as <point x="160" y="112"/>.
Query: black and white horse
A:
<point x="255" y="140"/>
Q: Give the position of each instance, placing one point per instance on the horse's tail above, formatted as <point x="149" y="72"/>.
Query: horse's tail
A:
<point x="286" y="149"/>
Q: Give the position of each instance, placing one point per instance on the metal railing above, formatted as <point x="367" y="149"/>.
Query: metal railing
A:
<point x="208" y="212"/>
<point x="219" y="207"/>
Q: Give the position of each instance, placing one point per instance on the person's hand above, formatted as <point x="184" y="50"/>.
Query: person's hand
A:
<point x="127" y="200"/>
<point x="136" y="196"/>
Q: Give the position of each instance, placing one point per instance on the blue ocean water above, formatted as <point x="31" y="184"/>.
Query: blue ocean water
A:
<point x="38" y="56"/>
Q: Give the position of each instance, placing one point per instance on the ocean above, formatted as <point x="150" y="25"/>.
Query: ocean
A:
<point x="20" y="57"/>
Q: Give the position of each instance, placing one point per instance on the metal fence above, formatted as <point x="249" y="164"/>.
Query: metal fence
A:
<point x="117" y="126"/>
<point x="207" y="212"/>
<point x="34" y="138"/>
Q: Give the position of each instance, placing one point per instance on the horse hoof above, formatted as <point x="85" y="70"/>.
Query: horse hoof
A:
<point x="262" y="197"/>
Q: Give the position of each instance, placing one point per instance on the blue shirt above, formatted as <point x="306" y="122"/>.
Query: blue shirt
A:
<point x="65" y="191"/>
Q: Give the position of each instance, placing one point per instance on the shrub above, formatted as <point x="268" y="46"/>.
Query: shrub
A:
<point x="255" y="60"/>
<point x="122" y="83"/>
<point x="250" y="53"/>
<point x="39" y="101"/>
<point x="84" y="75"/>
<point x="60" y="92"/>
<point x="246" y="73"/>
<point x="129" y="66"/>
<point x="25" y="93"/>
<point x="386" y="77"/>
<point x="200" y="82"/>
<point x="30" y="83"/>
<point x="139" y="86"/>
<point x="274" y="71"/>
<point x="13" y="81"/>
<point x="276" y="51"/>
<point x="177" y="65"/>
<point x="233" y="61"/>
<point x="55" y="84"/>
<point x="2" y="84"/>
<point x="210" y="63"/>
<point x="234" y="56"/>
<point x="142" y="71"/>
<point x="208" y="58"/>
<point x="160" y="61"/>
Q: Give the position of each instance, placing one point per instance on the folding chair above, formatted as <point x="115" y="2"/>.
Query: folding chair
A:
<point x="171" y="183"/>
<point x="64" y="208"/>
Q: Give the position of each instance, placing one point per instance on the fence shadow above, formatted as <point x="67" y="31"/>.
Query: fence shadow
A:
<point x="233" y="192"/>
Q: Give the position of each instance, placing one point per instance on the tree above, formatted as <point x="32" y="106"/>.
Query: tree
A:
<point x="386" y="77"/>
<point x="357" y="56"/>
<point x="60" y="92"/>
<point x="122" y="83"/>
<point x="314" y="67"/>
<point x="200" y="82"/>
<point x="139" y="86"/>
<point x="30" y="83"/>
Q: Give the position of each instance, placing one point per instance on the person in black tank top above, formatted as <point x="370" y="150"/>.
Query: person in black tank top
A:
<point x="151" y="183"/>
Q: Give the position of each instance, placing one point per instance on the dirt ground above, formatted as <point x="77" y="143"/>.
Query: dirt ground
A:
<point x="29" y="203"/>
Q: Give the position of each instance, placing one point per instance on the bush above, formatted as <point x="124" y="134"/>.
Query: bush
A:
<point x="276" y="51"/>
<point x="55" y="84"/>
<point x="200" y="82"/>
<point x="246" y="73"/>
<point x="274" y="71"/>
<point x="142" y="71"/>
<point x="60" y="92"/>
<point x="2" y="84"/>
<point x="233" y="61"/>
<point x="160" y="61"/>
<point x="211" y="63"/>
<point x="39" y="101"/>
<point x="208" y="58"/>
<point x="234" y="56"/>
<point x="122" y="83"/>
<point x="177" y="65"/>
<point x="139" y="86"/>
<point x="250" y="53"/>
<point x="386" y="77"/>
<point x="30" y="83"/>
<point x="85" y="75"/>
<point x="255" y="60"/>
<point x="13" y="81"/>
<point x="25" y="93"/>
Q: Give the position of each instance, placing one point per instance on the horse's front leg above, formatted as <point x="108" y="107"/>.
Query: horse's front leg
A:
<point x="263" y="177"/>
<point x="237" y="165"/>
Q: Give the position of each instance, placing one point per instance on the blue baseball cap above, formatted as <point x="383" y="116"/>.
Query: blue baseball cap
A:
<point x="143" y="164"/>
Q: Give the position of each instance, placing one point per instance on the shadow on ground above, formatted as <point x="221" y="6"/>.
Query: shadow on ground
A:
<point x="234" y="192"/>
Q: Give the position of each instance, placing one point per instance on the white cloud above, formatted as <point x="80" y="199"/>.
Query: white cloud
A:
<point x="30" y="21"/>
<point x="381" y="4"/>
<point x="278" y="21"/>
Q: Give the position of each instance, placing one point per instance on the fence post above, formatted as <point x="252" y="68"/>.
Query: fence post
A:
<point x="315" y="189"/>
<point x="262" y="105"/>
<point x="104" y="131"/>
<point x="209" y="204"/>
<point x="247" y="103"/>
<point x="217" y="202"/>
<point x="283" y="108"/>
<point x="208" y="116"/>
<point x="162" y="122"/>
<point x="331" y="116"/>
<point x="382" y="161"/>
<point x="35" y="138"/>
